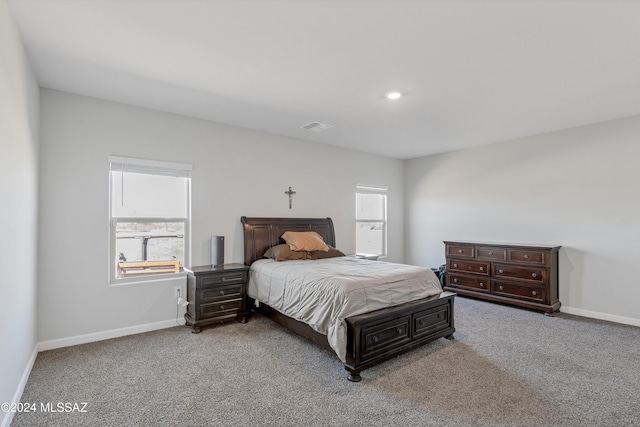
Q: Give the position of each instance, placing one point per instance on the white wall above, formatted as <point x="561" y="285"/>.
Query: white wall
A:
<point x="235" y="172"/>
<point x="577" y="188"/>
<point x="18" y="209"/>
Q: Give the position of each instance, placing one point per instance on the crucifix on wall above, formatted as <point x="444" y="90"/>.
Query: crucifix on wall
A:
<point x="290" y="193"/>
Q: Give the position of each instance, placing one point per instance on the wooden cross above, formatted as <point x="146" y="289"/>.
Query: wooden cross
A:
<point x="290" y="193"/>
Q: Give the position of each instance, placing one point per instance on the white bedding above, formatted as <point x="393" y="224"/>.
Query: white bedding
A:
<point x="322" y="293"/>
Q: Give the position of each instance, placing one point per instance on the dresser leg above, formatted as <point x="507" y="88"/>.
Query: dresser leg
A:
<point x="549" y="314"/>
<point x="196" y="330"/>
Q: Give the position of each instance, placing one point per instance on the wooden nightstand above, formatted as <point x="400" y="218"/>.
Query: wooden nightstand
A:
<point x="216" y="295"/>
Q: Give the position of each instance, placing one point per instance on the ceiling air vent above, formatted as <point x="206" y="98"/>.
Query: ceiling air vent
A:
<point x="316" y="126"/>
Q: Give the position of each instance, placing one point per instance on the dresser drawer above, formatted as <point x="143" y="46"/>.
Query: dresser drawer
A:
<point x="468" y="266"/>
<point x="461" y="251"/>
<point x="223" y="278"/>
<point x="533" y="293"/>
<point x="431" y="321"/>
<point x="379" y="337"/>
<point x="219" y="293"/>
<point x="480" y="284"/>
<point x="491" y="253"/>
<point x="538" y="275"/>
<point x="220" y="308"/>
<point x="526" y="256"/>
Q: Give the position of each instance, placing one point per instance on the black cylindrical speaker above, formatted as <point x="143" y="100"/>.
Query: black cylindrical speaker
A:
<point x="217" y="250"/>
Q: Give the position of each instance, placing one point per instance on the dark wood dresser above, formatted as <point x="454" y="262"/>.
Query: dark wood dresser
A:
<point x="216" y="295"/>
<point x="526" y="276"/>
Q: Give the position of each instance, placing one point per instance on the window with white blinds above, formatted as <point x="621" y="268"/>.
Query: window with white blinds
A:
<point x="149" y="218"/>
<point x="371" y="220"/>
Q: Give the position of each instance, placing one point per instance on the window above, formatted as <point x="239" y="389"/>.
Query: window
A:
<point x="371" y="221"/>
<point x="149" y="218"/>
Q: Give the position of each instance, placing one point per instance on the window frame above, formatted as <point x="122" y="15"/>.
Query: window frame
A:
<point x="382" y="191"/>
<point x="146" y="166"/>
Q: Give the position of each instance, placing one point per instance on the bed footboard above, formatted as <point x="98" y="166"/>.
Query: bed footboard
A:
<point x="383" y="334"/>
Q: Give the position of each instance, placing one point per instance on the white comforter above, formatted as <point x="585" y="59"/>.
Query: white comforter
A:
<point x="322" y="293"/>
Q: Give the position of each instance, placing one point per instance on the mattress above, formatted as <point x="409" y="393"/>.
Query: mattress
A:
<point x="322" y="293"/>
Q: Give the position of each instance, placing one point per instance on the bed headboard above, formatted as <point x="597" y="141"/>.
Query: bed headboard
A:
<point x="262" y="233"/>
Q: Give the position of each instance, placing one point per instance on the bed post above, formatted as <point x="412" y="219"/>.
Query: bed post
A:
<point x="354" y="374"/>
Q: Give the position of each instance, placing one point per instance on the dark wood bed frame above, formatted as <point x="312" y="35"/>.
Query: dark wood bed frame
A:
<point x="371" y="337"/>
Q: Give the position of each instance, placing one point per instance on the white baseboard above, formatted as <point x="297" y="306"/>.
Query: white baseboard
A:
<point x="600" y="316"/>
<point x="105" y="335"/>
<point x="8" y="416"/>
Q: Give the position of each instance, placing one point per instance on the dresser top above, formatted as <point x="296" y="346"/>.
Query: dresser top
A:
<point x="500" y="244"/>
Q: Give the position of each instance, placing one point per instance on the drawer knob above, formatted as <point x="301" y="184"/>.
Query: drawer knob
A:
<point x="459" y="251"/>
<point x="398" y="331"/>
<point x="374" y="338"/>
<point x="455" y="280"/>
<point x="490" y="253"/>
<point x="481" y="268"/>
<point x="222" y="307"/>
<point x="534" y="293"/>
<point x="501" y="271"/>
<point x="526" y="256"/>
<point x="439" y="316"/>
<point x="221" y="292"/>
<point x="481" y="285"/>
<point x="455" y="265"/>
<point x="501" y="288"/>
<point x="420" y="322"/>
<point x="534" y="275"/>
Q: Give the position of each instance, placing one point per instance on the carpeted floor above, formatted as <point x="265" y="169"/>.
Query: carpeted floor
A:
<point x="506" y="367"/>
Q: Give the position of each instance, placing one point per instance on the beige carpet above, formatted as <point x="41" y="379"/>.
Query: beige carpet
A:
<point x="506" y="367"/>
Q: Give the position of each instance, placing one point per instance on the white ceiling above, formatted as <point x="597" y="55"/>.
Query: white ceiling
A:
<point x="474" y="72"/>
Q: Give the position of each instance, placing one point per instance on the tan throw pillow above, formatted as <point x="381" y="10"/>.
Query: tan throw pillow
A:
<point x="305" y="241"/>
<point x="284" y="253"/>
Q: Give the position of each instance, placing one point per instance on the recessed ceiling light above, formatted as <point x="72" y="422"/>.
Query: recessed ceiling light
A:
<point x="394" y="95"/>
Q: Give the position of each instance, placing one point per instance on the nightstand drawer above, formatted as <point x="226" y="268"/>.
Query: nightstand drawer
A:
<point x="533" y="293"/>
<point x="468" y="266"/>
<point x="220" y="308"/>
<point x="219" y="293"/>
<point x="479" y="284"/>
<point x="225" y="278"/>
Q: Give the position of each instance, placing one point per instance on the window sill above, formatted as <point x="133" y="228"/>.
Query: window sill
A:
<point x="148" y="279"/>
<point x="368" y="256"/>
